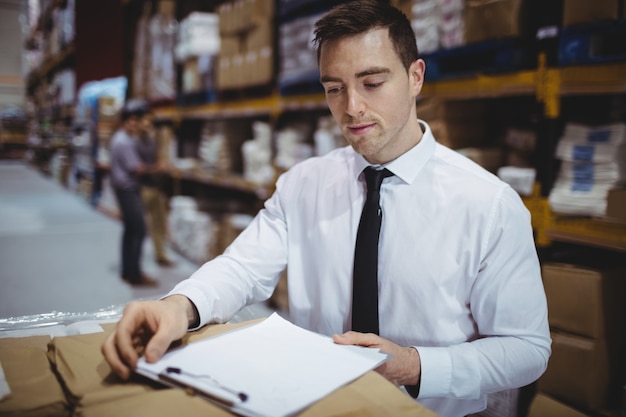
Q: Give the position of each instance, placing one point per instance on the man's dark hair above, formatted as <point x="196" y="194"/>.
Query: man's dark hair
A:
<point x="134" y="108"/>
<point x="359" y="16"/>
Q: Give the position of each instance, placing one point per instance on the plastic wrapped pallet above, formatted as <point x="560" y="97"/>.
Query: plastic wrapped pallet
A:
<point x="426" y="20"/>
<point x="193" y="233"/>
<point x="198" y="35"/>
<point x="163" y="29"/>
<point x="298" y="59"/>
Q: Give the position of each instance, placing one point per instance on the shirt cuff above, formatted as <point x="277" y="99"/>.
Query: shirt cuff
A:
<point x="197" y="300"/>
<point x="436" y="373"/>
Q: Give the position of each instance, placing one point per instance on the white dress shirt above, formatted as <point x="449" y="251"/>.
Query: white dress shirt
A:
<point x="458" y="272"/>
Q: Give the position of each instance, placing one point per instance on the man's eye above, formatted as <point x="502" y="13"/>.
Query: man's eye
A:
<point x="332" y="90"/>
<point x="373" y="85"/>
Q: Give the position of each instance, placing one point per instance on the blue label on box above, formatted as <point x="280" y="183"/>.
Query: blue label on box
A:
<point x="599" y="136"/>
<point x="583" y="152"/>
<point x="583" y="172"/>
<point x="582" y="186"/>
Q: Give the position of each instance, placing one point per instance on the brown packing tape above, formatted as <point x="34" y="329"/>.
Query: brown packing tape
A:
<point x="35" y="390"/>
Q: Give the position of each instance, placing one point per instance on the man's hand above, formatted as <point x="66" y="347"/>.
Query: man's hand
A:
<point x="147" y="328"/>
<point x="403" y="368"/>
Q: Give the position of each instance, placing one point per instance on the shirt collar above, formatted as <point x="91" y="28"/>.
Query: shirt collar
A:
<point x="408" y="165"/>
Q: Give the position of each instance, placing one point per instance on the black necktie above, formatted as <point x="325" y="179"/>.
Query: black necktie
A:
<point x="365" y="278"/>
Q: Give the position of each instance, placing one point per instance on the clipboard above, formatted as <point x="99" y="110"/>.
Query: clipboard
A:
<point x="269" y="369"/>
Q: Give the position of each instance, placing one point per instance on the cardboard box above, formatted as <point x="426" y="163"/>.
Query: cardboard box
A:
<point x="108" y="109"/>
<point x="35" y="390"/>
<point x="434" y="108"/>
<point x="586" y="301"/>
<point x="261" y="36"/>
<point x="492" y="19"/>
<point x="582" y="371"/>
<point x="546" y="406"/>
<point x="95" y="392"/>
<point x="616" y="204"/>
<point x="457" y="135"/>
<point x="584" y="11"/>
<point x="199" y="73"/>
<point x="488" y="158"/>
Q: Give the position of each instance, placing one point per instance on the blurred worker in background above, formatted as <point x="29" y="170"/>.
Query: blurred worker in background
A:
<point x="125" y="170"/>
<point x="154" y="200"/>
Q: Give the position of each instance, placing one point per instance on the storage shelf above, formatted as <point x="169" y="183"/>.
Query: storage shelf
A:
<point x="483" y="86"/>
<point x="593" y="79"/>
<point x="230" y="181"/>
<point x="49" y="65"/>
<point x="272" y="106"/>
<point x="595" y="232"/>
<point x="584" y="79"/>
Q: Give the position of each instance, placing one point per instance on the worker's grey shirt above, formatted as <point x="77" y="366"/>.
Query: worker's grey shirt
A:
<point x="124" y="161"/>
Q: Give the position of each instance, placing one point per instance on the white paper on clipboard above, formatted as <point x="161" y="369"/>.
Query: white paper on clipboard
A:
<point x="279" y="368"/>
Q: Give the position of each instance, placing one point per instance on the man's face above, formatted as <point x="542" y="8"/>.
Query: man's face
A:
<point x="131" y="125"/>
<point x="370" y="94"/>
<point x="145" y="123"/>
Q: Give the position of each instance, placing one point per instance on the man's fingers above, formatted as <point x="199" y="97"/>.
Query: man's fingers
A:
<point x="158" y="344"/>
<point x="123" y="340"/>
<point x="109" y="350"/>
<point x="356" y="338"/>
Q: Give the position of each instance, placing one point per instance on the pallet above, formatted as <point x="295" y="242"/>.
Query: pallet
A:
<point x="591" y="44"/>
<point x="489" y="57"/>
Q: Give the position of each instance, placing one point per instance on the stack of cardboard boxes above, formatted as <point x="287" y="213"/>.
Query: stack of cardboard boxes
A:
<point x="586" y="309"/>
<point x="246" y="56"/>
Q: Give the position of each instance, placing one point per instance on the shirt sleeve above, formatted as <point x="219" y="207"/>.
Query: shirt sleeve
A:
<point x="509" y="306"/>
<point x="247" y="272"/>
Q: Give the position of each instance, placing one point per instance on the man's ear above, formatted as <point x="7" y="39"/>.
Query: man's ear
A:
<point x="416" y="76"/>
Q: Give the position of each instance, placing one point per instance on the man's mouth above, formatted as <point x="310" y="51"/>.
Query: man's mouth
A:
<point x="361" y="128"/>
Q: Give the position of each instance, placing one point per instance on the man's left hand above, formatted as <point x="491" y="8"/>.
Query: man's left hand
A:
<point x="403" y="368"/>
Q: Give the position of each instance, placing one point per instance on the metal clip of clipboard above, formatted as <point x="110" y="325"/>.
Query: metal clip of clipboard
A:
<point x="168" y="377"/>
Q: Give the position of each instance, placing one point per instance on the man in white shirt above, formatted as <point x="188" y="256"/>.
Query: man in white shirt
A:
<point x="460" y="298"/>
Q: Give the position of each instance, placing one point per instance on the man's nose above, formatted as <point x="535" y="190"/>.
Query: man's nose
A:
<point x="355" y="105"/>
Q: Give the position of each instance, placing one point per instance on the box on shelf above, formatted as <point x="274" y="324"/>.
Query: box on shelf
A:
<point x="108" y="109"/>
<point x="433" y="108"/>
<point x="544" y="406"/>
<point x="246" y="57"/>
<point x="582" y="372"/>
<point x="488" y="19"/>
<point x="585" y="11"/>
<point x="489" y="158"/>
<point x="590" y="302"/>
<point x="457" y="135"/>
<point x="198" y="73"/>
<point x="239" y="15"/>
<point x="616" y="204"/>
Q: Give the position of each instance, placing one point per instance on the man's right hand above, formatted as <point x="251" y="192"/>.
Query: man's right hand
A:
<point x="147" y="328"/>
